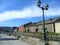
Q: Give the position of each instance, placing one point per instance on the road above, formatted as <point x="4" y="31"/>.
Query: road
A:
<point x="11" y="42"/>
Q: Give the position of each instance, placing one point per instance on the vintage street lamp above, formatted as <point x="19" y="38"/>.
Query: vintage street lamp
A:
<point x="44" y="7"/>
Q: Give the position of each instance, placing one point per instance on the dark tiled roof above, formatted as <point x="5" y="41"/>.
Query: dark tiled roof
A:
<point x="30" y="23"/>
<point x="51" y="20"/>
<point x="48" y="21"/>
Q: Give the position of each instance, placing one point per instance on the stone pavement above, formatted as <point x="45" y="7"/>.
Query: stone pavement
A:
<point x="36" y="41"/>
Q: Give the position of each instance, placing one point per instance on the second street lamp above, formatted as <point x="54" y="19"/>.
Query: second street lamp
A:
<point x="44" y="7"/>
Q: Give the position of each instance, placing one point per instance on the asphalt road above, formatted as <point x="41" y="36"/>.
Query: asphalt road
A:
<point x="11" y="42"/>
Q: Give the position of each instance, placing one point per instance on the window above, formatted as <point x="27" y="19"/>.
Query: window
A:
<point x="37" y="30"/>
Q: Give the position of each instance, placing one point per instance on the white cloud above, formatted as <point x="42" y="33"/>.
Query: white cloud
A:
<point x="25" y="13"/>
<point x="53" y="12"/>
<point x="28" y="12"/>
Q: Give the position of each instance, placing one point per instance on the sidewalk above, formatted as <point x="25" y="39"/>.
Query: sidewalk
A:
<point x="36" y="41"/>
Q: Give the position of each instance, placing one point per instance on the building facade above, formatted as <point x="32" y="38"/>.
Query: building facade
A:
<point x="21" y="28"/>
<point x="51" y="25"/>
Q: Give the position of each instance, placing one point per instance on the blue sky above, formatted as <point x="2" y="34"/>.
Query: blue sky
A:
<point x="19" y="12"/>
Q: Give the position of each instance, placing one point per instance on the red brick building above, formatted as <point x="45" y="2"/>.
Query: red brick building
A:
<point x="21" y="28"/>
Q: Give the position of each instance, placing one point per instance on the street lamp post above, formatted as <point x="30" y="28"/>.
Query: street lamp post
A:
<point x="44" y="7"/>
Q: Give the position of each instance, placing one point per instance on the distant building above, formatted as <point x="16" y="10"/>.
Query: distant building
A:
<point x="27" y="26"/>
<point x="51" y="25"/>
<point x="21" y="28"/>
<point x="15" y="29"/>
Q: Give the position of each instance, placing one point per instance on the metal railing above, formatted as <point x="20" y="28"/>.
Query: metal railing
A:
<point x="50" y="36"/>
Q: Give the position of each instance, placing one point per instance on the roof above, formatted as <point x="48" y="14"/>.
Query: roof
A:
<point x="30" y="23"/>
<point x="49" y="21"/>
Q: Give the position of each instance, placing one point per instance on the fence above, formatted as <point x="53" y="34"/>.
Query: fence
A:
<point x="50" y="36"/>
